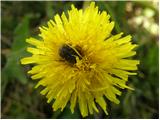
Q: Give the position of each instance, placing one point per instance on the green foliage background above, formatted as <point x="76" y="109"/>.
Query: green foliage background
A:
<point x="20" y="20"/>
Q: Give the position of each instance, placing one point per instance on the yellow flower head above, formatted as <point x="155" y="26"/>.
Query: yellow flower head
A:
<point x="79" y="61"/>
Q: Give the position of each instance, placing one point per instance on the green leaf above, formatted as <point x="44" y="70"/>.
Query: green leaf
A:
<point x="20" y="34"/>
<point x="49" y="9"/>
<point x="13" y="69"/>
<point x="4" y="82"/>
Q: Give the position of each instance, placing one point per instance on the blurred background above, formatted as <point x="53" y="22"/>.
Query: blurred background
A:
<point x="20" y="20"/>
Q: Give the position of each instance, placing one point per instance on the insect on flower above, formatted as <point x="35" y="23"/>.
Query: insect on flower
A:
<point x="94" y="63"/>
<point x="69" y="54"/>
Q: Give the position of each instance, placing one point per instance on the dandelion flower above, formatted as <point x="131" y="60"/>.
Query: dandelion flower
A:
<point x="78" y="61"/>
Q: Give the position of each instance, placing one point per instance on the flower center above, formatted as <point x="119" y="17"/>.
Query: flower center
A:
<point x="69" y="53"/>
